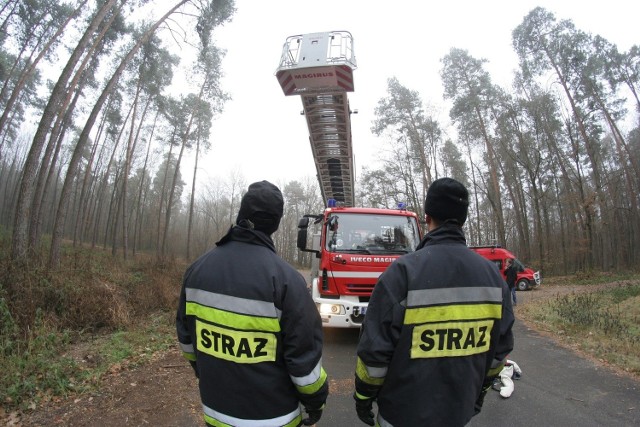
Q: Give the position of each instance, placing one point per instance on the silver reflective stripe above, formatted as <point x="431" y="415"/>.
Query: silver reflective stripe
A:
<point x="356" y="274"/>
<point x="187" y="348"/>
<point x="382" y="422"/>
<point x="376" y="372"/>
<point x="234" y="304"/>
<point x="308" y="379"/>
<point x="240" y="422"/>
<point x="453" y="295"/>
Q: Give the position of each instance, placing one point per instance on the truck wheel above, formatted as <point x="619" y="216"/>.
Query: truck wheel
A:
<point x="522" y="285"/>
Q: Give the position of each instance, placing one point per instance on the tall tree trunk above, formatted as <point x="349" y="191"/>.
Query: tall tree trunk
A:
<point x="54" y="258"/>
<point x="591" y="154"/>
<point x="474" y="182"/>
<point x="137" y="232"/>
<point x="82" y="214"/>
<point x="117" y="198"/>
<point x="11" y="178"/>
<point x="47" y="171"/>
<point x="163" y="189"/>
<point x="21" y="219"/>
<point x="192" y="200"/>
<point x="128" y="159"/>
<point x="176" y="172"/>
<point x="101" y="193"/>
<point x="172" y="187"/>
<point x="495" y="181"/>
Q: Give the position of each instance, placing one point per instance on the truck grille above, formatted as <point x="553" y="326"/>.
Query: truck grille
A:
<point x="537" y="277"/>
<point x="359" y="288"/>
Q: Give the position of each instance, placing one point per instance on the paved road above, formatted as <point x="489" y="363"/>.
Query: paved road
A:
<point x="557" y="387"/>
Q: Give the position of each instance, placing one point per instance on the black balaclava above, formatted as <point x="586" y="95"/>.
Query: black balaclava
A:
<point x="262" y="205"/>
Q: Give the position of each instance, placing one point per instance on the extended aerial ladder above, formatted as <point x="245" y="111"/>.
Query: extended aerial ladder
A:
<point x="319" y="67"/>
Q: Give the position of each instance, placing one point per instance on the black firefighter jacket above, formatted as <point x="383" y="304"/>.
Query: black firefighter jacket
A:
<point x="248" y="321"/>
<point x="438" y="323"/>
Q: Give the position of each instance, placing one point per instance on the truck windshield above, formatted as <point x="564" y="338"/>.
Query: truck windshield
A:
<point x="371" y="233"/>
<point x="519" y="265"/>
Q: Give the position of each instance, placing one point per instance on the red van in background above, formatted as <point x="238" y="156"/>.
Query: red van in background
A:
<point x="526" y="279"/>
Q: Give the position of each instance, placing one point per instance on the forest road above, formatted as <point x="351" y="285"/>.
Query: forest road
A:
<point x="558" y="388"/>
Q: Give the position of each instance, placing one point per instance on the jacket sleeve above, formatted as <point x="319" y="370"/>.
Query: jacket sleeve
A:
<point x="506" y="341"/>
<point x="182" y="326"/>
<point x="378" y="338"/>
<point x="302" y="343"/>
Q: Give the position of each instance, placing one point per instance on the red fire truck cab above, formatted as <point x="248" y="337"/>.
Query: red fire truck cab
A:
<point x="526" y="279"/>
<point x="352" y="247"/>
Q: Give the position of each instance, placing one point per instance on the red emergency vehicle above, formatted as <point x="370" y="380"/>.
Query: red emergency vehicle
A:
<point x="526" y="279"/>
<point x="352" y="247"/>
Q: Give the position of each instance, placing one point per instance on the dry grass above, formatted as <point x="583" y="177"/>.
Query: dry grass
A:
<point x="600" y="318"/>
<point x="92" y="291"/>
<point x="44" y="314"/>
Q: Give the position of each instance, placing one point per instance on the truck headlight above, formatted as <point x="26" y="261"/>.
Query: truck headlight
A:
<point x="325" y="308"/>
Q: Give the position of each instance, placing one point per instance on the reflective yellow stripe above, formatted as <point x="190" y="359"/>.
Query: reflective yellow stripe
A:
<point x="294" y="423"/>
<point x="236" y="346"/>
<point x="452" y="312"/>
<point x="494" y="371"/>
<point x="362" y="396"/>
<point x="212" y="421"/>
<point x="363" y="374"/>
<point x="233" y="320"/>
<point x="189" y="356"/>
<point x="451" y="339"/>
<point x="312" y="388"/>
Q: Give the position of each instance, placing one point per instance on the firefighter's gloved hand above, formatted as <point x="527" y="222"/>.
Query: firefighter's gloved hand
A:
<point x="313" y="416"/>
<point x="195" y="368"/>
<point x="480" y="400"/>
<point x="364" y="409"/>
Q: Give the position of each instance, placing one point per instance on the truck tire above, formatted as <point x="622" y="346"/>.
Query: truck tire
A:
<point x="522" y="285"/>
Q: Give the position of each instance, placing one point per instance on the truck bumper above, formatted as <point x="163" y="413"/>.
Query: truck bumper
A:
<point x="537" y="279"/>
<point x="346" y="312"/>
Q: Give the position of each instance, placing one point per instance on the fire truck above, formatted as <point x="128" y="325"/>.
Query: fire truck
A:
<point x="526" y="278"/>
<point x="352" y="245"/>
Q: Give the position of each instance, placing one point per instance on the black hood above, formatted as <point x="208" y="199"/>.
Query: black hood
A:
<point x="261" y="207"/>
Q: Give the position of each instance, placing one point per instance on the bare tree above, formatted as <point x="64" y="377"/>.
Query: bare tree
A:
<point x="54" y="256"/>
<point x="21" y="218"/>
<point x="469" y="86"/>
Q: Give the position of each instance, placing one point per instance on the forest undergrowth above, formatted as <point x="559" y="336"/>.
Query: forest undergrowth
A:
<point x="123" y="309"/>
<point x="596" y="314"/>
<point x="61" y="331"/>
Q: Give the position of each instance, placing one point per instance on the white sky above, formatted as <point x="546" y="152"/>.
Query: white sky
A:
<point x="262" y="135"/>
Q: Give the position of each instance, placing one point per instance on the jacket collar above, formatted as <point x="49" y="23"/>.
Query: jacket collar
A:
<point x="446" y="233"/>
<point x="241" y="234"/>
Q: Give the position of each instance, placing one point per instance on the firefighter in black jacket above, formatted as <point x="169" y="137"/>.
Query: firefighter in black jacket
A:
<point x="438" y="326"/>
<point x="249" y="327"/>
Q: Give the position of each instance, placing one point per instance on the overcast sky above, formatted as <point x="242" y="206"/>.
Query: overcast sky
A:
<point x="261" y="133"/>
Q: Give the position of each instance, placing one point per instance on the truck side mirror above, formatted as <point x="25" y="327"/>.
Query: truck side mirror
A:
<point x="304" y="222"/>
<point x="303" y="226"/>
